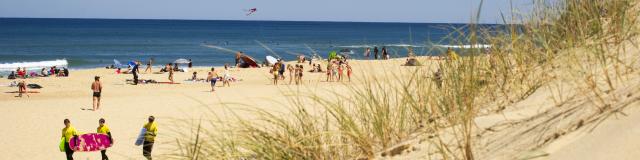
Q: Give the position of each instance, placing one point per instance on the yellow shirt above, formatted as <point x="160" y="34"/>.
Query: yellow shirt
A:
<point x="104" y="129"/>
<point x="68" y="133"/>
<point x="453" y="55"/>
<point x="151" y="133"/>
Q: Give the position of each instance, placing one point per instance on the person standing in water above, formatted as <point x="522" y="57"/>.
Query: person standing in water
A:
<point x="96" y="87"/>
<point x="375" y="52"/>
<point x="190" y="63"/>
<point x="135" y="71"/>
<point x="149" y="137"/>
<point x="367" y="52"/>
<point x="384" y="53"/>
<point x="104" y="129"/>
<point x="68" y="132"/>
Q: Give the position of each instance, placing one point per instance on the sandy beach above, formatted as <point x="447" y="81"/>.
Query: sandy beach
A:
<point x="34" y="122"/>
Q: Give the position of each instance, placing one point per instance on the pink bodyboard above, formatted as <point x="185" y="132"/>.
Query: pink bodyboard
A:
<point x="90" y="142"/>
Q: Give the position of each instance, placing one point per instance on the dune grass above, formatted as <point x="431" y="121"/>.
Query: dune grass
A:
<point x="585" y="38"/>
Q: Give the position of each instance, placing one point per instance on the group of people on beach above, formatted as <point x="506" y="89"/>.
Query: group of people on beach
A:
<point x="69" y="132"/>
<point x="376" y="55"/>
<point x="295" y="72"/>
<point x="336" y="69"/>
<point x="22" y="72"/>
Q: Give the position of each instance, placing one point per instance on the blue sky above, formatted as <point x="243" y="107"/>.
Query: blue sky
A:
<point x="447" y="11"/>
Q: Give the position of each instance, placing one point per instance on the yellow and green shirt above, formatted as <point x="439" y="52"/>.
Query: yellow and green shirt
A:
<point x="104" y="129"/>
<point x="151" y="133"/>
<point x="68" y="133"/>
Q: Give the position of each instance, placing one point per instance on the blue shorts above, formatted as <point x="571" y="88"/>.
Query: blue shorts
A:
<point x="213" y="81"/>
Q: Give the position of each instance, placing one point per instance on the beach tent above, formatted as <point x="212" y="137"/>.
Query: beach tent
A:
<point x="332" y="55"/>
<point x="248" y="61"/>
<point x="271" y="60"/>
<point x="181" y="61"/>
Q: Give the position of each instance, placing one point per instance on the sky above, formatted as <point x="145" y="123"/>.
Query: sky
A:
<point x="419" y="11"/>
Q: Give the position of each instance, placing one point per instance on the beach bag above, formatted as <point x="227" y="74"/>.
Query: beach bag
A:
<point x="62" y="144"/>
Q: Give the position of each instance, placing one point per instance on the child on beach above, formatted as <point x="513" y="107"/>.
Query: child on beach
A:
<point x="104" y="129"/>
<point x="22" y="88"/>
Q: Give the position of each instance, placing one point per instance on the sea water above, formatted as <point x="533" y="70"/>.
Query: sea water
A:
<point x="88" y="43"/>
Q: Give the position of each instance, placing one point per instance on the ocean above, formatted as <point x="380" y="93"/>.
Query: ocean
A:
<point x="90" y="43"/>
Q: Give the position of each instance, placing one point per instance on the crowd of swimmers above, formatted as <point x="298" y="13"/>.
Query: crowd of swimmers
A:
<point x="69" y="132"/>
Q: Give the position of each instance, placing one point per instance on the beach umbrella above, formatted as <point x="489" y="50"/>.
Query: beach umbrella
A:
<point x="181" y="61"/>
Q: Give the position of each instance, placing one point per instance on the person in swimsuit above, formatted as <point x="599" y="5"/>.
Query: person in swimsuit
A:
<point x="274" y="71"/>
<point x="135" y="72"/>
<point x="334" y="71"/>
<point x="340" y="71"/>
<point x="149" y="63"/>
<point x="170" y="73"/>
<point x="22" y="88"/>
<point x="96" y="87"/>
<point x="291" y="74"/>
<point x="299" y="75"/>
<point x="212" y="78"/>
<point x="375" y="52"/>
<point x="329" y="71"/>
<point x="349" y="71"/>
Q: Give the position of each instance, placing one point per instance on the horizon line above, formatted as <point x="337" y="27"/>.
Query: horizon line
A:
<point x="169" y="19"/>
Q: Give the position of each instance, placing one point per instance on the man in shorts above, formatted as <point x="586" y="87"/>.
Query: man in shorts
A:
<point x="96" y="87"/>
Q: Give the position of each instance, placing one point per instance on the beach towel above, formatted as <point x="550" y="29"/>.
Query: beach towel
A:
<point x="34" y="86"/>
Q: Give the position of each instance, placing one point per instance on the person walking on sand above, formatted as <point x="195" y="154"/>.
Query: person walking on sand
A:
<point x="170" y="72"/>
<point x="213" y="78"/>
<point x="149" y="137"/>
<point x="104" y="129"/>
<point x="149" y="64"/>
<point x="68" y="132"/>
<point x="96" y="87"/>
<point x="281" y="71"/>
<point x="375" y="52"/>
<point x="226" y="78"/>
<point x="135" y="72"/>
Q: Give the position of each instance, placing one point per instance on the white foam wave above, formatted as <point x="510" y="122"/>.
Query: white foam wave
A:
<point x="466" y="46"/>
<point x="33" y="65"/>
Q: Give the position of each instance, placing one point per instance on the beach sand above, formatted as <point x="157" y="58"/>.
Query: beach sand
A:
<point x="32" y="125"/>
